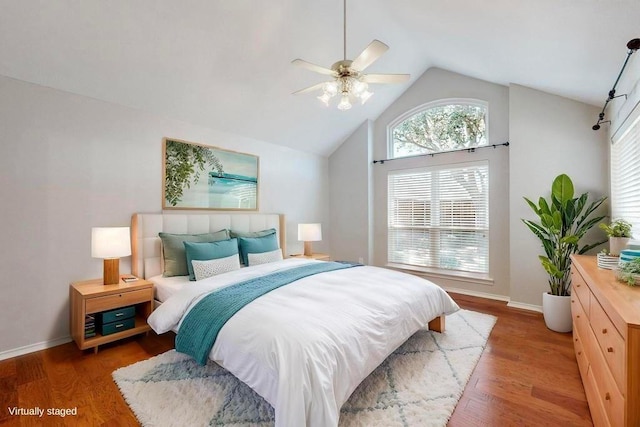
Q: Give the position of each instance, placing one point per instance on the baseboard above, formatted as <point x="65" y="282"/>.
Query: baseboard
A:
<point x="523" y="306"/>
<point x="476" y="293"/>
<point x="512" y="304"/>
<point x="8" y="354"/>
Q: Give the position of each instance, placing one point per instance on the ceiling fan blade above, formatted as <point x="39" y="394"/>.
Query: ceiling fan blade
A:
<point x="309" y="89"/>
<point x="312" y="67"/>
<point x="385" y="78"/>
<point x="372" y="52"/>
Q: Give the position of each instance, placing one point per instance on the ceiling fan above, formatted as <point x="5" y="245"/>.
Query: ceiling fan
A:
<point x="348" y="78"/>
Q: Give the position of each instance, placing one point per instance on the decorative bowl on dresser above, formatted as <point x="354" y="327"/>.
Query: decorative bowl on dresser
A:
<point x="606" y="338"/>
<point x="101" y="314"/>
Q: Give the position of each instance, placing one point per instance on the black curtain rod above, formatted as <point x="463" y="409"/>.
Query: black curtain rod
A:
<point x="633" y="46"/>
<point x="468" y="150"/>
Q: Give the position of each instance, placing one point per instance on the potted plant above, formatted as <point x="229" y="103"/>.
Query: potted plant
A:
<point x="563" y="222"/>
<point x="618" y="232"/>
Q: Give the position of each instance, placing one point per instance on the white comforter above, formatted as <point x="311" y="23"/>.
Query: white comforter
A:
<point x="306" y="346"/>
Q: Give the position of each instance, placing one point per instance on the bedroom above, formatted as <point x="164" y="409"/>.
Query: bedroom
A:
<point x="88" y="92"/>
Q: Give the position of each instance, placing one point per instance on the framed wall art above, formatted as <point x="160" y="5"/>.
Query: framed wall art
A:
<point x="197" y="176"/>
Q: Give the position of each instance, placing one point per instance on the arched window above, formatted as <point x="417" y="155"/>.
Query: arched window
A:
<point x="444" y="125"/>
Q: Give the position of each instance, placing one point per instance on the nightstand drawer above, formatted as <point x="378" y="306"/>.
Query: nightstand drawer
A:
<point x="116" y="315"/>
<point x="94" y="305"/>
<point x="120" y="325"/>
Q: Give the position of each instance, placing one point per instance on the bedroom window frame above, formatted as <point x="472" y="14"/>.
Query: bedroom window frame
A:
<point x="624" y="166"/>
<point x="431" y="105"/>
<point x="437" y="229"/>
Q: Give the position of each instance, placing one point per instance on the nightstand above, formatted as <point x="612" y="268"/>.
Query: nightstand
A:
<point x="319" y="257"/>
<point x="117" y="311"/>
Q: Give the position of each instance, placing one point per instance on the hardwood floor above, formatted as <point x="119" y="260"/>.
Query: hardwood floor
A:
<point x="527" y="376"/>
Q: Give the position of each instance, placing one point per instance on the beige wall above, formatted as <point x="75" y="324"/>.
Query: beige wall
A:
<point x="549" y="135"/>
<point x="70" y="163"/>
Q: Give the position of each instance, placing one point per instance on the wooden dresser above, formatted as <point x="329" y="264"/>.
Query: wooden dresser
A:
<point x="606" y="338"/>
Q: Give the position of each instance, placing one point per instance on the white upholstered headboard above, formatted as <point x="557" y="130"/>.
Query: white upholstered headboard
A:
<point x="145" y="243"/>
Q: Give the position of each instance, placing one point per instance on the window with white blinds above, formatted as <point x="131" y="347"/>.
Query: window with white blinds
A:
<point x="625" y="176"/>
<point x="439" y="217"/>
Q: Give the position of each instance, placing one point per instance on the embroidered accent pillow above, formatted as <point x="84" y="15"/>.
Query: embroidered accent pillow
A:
<point x="265" y="257"/>
<point x="213" y="267"/>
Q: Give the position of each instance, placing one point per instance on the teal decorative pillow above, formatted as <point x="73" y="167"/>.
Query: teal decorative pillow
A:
<point x="261" y="233"/>
<point x="175" y="260"/>
<point x="256" y="245"/>
<point x="207" y="251"/>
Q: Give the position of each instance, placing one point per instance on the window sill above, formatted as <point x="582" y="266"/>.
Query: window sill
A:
<point x="437" y="273"/>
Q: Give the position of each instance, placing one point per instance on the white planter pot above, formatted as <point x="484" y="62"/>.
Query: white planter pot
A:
<point x="557" y="312"/>
<point x="616" y="244"/>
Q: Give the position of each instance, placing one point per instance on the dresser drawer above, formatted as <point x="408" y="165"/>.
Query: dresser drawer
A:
<point x="608" y="394"/>
<point x="581" y="356"/>
<point x="610" y="341"/>
<point x="596" y="407"/>
<point x="579" y="315"/>
<point x="94" y="305"/>
<point x="580" y="289"/>
<point x="116" y="315"/>
<point x="120" y="325"/>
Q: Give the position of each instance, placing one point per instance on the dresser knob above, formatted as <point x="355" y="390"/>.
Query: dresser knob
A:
<point x="576" y="339"/>
<point x="604" y="331"/>
<point x="610" y="349"/>
<point x="577" y="286"/>
<point x="579" y="353"/>
<point x="573" y="300"/>
<point x="607" y="396"/>
<point x="577" y="316"/>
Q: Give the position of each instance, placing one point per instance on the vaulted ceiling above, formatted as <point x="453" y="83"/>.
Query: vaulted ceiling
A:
<point x="227" y="64"/>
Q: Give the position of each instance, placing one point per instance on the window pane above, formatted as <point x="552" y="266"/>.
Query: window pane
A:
<point x="440" y="218"/>
<point x="441" y="128"/>
<point x="625" y="177"/>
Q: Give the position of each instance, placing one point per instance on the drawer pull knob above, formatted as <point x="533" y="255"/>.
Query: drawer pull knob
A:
<point x="577" y="286"/>
<point x="607" y="396"/>
<point x="610" y="349"/>
<point x="577" y="316"/>
<point x="576" y="339"/>
<point x="579" y="353"/>
<point x="604" y="331"/>
<point x="122" y="314"/>
<point x="573" y="300"/>
<point x="119" y="325"/>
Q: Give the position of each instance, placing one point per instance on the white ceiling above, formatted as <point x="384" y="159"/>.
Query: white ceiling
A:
<point x="226" y="64"/>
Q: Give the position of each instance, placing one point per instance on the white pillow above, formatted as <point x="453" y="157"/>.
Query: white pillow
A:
<point x="265" y="257"/>
<point x="212" y="267"/>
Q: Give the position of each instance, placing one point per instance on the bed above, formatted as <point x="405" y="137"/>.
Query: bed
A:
<point x="306" y="346"/>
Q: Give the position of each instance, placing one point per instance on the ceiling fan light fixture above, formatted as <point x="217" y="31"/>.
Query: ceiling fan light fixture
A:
<point x="348" y="77"/>
<point x="325" y="98"/>
<point x="344" y="102"/>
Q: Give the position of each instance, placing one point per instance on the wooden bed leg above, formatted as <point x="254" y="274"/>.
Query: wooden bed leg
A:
<point x="437" y="324"/>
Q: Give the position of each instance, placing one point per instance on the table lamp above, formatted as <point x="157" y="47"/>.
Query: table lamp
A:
<point x="110" y="243"/>
<point x="308" y="233"/>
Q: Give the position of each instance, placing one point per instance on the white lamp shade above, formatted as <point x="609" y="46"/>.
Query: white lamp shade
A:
<point x="110" y="242"/>
<point x="309" y="232"/>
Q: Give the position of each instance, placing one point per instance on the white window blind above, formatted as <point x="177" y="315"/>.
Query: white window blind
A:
<point x="439" y="217"/>
<point x="625" y="176"/>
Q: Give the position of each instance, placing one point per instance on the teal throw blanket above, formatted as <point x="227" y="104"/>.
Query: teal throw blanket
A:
<point x="202" y="324"/>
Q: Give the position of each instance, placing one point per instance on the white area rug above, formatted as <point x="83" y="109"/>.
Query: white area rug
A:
<point x="418" y="385"/>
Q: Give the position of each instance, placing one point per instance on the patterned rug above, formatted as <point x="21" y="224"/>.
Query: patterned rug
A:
<point x="418" y="385"/>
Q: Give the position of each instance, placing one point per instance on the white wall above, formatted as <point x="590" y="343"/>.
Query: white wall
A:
<point x="549" y="135"/>
<point x="349" y="170"/>
<point x="70" y="163"/>
<point x="437" y="84"/>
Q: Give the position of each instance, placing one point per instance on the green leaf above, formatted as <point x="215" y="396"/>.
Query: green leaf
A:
<point x="562" y="188"/>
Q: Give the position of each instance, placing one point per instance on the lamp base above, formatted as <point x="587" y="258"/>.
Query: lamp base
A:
<point x="111" y="271"/>
<point x="307" y="249"/>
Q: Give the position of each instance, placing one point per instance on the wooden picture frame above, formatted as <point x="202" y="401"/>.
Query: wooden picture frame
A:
<point x="197" y="176"/>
